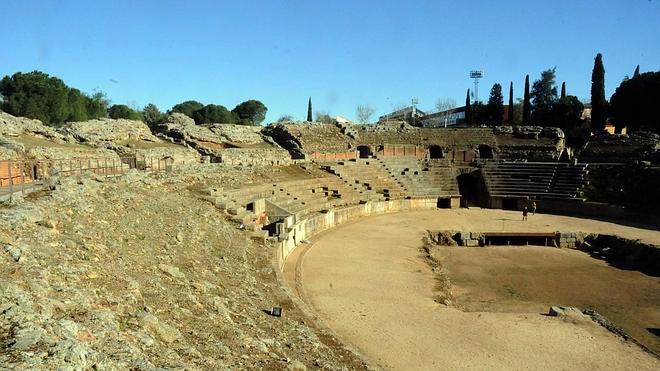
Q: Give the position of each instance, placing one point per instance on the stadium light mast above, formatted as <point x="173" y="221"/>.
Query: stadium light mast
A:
<point x="414" y="103"/>
<point x="476" y="75"/>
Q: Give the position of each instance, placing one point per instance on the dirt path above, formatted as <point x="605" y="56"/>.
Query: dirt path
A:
<point x="368" y="282"/>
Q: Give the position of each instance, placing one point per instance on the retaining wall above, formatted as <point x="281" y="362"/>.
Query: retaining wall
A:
<point x="292" y="233"/>
<point x="593" y="209"/>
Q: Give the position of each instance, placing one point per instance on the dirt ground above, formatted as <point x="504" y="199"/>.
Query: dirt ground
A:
<point x="530" y="279"/>
<point x="370" y="284"/>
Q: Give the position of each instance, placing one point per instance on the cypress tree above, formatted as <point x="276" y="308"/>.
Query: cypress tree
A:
<point x="563" y="90"/>
<point x="526" y="107"/>
<point x="598" y="102"/>
<point x="636" y="71"/>
<point x="468" y="109"/>
<point x="510" y="113"/>
<point x="309" y="110"/>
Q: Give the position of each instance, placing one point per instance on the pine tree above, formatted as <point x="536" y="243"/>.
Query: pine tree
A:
<point x="510" y="115"/>
<point x="309" y="110"/>
<point x="544" y="98"/>
<point x="495" y="106"/>
<point x="636" y="71"/>
<point x="526" y="107"/>
<point x="563" y="90"/>
<point x="598" y="102"/>
<point x="468" y="109"/>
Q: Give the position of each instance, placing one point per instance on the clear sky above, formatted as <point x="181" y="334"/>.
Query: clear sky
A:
<point x="342" y="53"/>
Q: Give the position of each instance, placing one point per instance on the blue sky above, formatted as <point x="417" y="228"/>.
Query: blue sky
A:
<point x="342" y="53"/>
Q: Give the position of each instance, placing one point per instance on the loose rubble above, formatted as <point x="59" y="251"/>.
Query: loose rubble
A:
<point x="141" y="272"/>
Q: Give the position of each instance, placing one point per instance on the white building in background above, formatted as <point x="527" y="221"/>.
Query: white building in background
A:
<point x="410" y="114"/>
<point x="342" y="120"/>
<point x="454" y="117"/>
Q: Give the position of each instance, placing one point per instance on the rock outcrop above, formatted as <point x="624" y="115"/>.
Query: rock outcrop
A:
<point x="13" y="126"/>
<point x="95" y="132"/>
<point x="236" y="144"/>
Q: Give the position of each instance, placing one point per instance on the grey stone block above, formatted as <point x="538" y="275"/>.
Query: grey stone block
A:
<point x="556" y="311"/>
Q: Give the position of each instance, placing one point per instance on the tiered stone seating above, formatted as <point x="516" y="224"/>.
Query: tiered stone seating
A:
<point x="569" y="180"/>
<point x="420" y="179"/>
<point x="534" y="179"/>
<point x="299" y="197"/>
<point x="369" y="178"/>
<point x="314" y="195"/>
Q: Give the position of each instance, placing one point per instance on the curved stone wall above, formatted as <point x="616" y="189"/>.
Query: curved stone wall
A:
<point x="294" y="232"/>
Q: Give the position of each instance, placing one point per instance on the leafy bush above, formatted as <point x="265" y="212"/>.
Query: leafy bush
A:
<point x="122" y="111"/>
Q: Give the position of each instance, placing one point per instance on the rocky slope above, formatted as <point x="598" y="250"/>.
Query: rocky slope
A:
<point x="141" y="272"/>
<point x="104" y="138"/>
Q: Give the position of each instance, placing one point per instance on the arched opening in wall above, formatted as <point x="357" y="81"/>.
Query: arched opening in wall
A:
<point x="444" y="203"/>
<point x="472" y="189"/>
<point x="364" y="151"/>
<point x="435" y="152"/>
<point x="485" y="152"/>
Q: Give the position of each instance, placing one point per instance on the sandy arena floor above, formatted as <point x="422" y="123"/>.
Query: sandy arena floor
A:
<point x="369" y="283"/>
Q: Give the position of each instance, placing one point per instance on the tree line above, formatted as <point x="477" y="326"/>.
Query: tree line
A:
<point x="542" y="105"/>
<point x="47" y="98"/>
<point x="631" y="105"/>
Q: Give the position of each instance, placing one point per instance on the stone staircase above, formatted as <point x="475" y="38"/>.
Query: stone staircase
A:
<point x="421" y="179"/>
<point x="368" y="178"/>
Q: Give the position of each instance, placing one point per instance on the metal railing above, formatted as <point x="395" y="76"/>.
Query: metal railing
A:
<point x="25" y="175"/>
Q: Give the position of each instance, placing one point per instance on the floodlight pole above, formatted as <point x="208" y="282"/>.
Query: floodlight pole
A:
<point x="476" y="75"/>
<point x="476" y="89"/>
<point x="414" y="102"/>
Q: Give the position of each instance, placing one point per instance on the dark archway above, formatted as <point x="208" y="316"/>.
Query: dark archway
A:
<point x="444" y="203"/>
<point x="435" y="152"/>
<point x="364" y="151"/>
<point x="485" y="152"/>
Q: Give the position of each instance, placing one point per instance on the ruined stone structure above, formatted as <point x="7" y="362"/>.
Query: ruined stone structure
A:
<point x="279" y="185"/>
<point x="507" y="166"/>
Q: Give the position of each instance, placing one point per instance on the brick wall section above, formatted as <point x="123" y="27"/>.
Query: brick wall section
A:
<point x="465" y="138"/>
<point x="12" y="171"/>
<point x="349" y="155"/>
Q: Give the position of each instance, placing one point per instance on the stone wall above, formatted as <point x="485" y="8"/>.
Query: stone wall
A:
<point x="484" y="239"/>
<point x="465" y="138"/>
<point x="593" y="209"/>
<point x="632" y="185"/>
<point x="315" y="140"/>
<point x="623" y="253"/>
<point x="641" y="146"/>
<point x="255" y="156"/>
<point x="530" y="143"/>
<point x="293" y="232"/>
<point x="389" y="150"/>
<point x="304" y="139"/>
<point x="348" y="155"/>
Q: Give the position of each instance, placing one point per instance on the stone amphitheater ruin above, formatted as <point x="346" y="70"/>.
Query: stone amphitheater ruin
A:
<point x="319" y="246"/>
